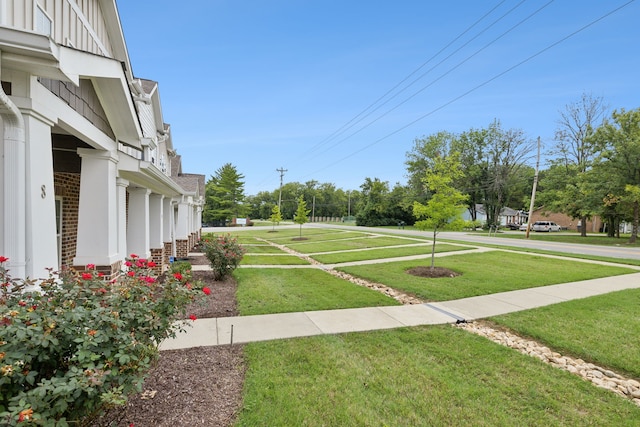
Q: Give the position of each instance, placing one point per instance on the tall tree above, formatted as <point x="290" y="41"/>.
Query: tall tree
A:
<point x="224" y="195"/>
<point x="446" y="204"/>
<point x="373" y="208"/>
<point x="575" y="150"/>
<point x="506" y="153"/>
<point x="619" y="139"/>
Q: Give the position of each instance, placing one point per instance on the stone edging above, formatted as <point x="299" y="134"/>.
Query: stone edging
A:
<point x="601" y="377"/>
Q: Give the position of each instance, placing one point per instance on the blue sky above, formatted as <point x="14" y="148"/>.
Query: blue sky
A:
<point x="276" y="84"/>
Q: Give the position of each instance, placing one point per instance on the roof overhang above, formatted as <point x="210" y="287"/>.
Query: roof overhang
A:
<point x="147" y="175"/>
<point x="39" y="56"/>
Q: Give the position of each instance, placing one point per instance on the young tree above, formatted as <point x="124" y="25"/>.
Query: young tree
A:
<point x="302" y="213"/>
<point x="224" y="194"/>
<point x="276" y="217"/>
<point x="446" y="204"/>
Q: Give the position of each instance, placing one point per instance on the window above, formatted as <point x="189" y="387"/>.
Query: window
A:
<point x="44" y="24"/>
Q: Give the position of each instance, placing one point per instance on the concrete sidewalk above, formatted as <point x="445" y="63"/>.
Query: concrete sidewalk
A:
<point x="243" y="329"/>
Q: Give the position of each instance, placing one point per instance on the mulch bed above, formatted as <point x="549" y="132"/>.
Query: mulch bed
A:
<point x="197" y="386"/>
<point x="433" y="273"/>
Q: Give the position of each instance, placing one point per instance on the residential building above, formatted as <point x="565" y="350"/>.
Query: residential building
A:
<point x="86" y="154"/>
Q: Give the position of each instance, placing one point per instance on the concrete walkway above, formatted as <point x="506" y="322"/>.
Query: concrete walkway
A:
<point x="243" y="329"/>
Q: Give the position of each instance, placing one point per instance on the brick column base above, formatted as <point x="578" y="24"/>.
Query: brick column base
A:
<point x="109" y="271"/>
<point x="182" y="248"/>
<point x="168" y="246"/>
<point x="157" y="256"/>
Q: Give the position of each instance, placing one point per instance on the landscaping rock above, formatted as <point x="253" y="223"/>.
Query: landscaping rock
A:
<point x="600" y="377"/>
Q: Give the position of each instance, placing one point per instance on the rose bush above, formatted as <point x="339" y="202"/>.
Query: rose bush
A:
<point x="80" y="343"/>
<point x="224" y="254"/>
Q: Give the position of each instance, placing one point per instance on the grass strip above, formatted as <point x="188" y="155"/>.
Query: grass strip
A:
<point x="482" y="273"/>
<point x="601" y="329"/>
<point x="380" y="253"/>
<point x="283" y="259"/>
<point x="266" y="291"/>
<point x="428" y="376"/>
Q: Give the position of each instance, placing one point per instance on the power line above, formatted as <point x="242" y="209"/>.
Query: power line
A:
<point x="486" y="82"/>
<point x="349" y="124"/>
<point x="446" y="73"/>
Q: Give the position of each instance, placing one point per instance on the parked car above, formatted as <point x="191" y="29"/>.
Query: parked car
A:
<point x="513" y="226"/>
<point x="545" y="226"/>
<point x="523" y="227"/>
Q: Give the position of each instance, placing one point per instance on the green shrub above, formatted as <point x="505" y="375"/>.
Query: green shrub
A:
<point x="224" y="254"/>
<point x="80" y="344"/>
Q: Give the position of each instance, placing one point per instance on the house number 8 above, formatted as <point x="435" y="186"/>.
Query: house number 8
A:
<point x="43" y="191"/>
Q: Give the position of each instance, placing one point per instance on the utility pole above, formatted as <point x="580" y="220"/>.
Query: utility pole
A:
<point x="533" y="191"/>
<point x="282" y="171"/>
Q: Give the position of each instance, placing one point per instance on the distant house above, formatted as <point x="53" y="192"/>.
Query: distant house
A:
<point x="87" y="157"/>
<point x="507" y="215"/>
<point x="594" y="224"/>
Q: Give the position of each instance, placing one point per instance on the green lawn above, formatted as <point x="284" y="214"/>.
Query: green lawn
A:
<point x="602" y="329"/>
<point x="573" y="237"/>
<point x="482" y="273"/>
<point x="347" y="243"/>
<point x="283" y="259"/>
<point x="425" y="376"/>
<point x="380" y="253"/>
<point x="261" y="249"/>
<point x="434" y="375"/>
<point x="264" y="291"/>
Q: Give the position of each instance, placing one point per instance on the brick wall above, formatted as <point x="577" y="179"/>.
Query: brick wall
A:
<point x="563" y="220"/>
<point x="67" y="187"/>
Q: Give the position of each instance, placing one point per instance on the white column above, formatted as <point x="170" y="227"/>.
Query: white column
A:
<point x="174" y="219"/>
<point x="41" y="241"/>
<point x="138" y="227"/>
<point x="121" y="196"/>
<point x="182" y="222"/>
<point x="167" y="219"/>
<point x="156" y="223"/>
<point x="13" y="237"/>
<point x="98" y="213"/>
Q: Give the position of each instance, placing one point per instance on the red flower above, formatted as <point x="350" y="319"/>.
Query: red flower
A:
<point x="128" y="263"/>
<point x="151" y="264"/>
<point x="131" y="273"/>
<point x="22" y="303"/>
<point x="193" y="317"/>
<point x="102" y="291"/>
<point x="25" y="415"/>
<point x="134" y="256"/>
<point x="140" y="263"/>
<point x="91" y="266"/>
<point x="177" y="276"/>
<point x="3" y="259"/>
<point x="149" y="279"/>
<point x="87" y="276"/>
<point x="206" y="290"/>
<point x="100" y="274"/>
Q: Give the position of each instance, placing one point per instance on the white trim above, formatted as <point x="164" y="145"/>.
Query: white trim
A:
<point x="88" y="26"/>
<point x="3" y="12"/>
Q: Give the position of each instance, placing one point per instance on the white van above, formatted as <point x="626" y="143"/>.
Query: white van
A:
<point x="545" y="226"/>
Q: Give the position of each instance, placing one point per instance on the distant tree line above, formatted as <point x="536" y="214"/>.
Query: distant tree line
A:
<point x="592" y="168"/>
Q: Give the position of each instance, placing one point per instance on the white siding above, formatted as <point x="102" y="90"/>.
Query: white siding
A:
<point x="76" y="23"/>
